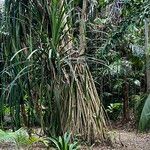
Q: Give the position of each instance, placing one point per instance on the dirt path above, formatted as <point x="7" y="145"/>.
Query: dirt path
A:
<point x="135" y="141"/>
<point x="125" y="140"/>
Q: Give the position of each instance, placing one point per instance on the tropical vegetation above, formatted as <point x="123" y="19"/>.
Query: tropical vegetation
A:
<point x="72" y="67"/>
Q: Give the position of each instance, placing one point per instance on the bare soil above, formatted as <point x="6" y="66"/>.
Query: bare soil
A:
<point x="125" y="140"/>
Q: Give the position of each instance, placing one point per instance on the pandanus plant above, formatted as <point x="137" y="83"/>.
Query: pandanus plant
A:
<point x="46" y="77"/>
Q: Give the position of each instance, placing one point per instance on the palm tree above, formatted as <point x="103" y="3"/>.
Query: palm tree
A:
<point x="46" y="77"/>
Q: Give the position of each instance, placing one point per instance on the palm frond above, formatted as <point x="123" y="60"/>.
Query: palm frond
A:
<point x="144" y="123"/>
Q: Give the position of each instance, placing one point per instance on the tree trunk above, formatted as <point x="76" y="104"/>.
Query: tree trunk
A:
<point x="126" y="101"/>
<point x="147" y="55"/>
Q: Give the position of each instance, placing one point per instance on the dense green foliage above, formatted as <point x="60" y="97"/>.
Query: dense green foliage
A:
<point x="117" y="39"/>
<point x="62" y="61"/>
